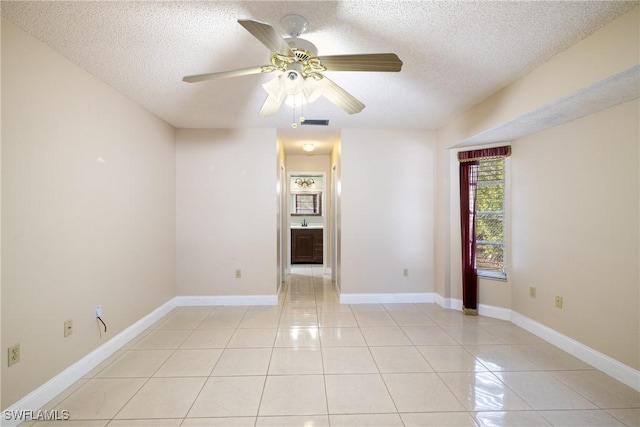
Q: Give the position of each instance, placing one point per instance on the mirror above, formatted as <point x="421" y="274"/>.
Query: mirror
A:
<point x="306" y="203"/>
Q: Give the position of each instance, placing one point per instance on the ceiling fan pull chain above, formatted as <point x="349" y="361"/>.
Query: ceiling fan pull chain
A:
<point x="293" y="122"/>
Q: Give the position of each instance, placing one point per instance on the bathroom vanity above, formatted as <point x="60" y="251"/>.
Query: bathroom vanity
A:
<point x="306" y="245"/>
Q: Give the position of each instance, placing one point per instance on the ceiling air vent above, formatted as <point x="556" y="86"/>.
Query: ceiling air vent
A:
<point x="315" y="122"/>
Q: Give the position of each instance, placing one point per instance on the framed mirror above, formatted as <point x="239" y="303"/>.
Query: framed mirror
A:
<point x="306" y="203"/>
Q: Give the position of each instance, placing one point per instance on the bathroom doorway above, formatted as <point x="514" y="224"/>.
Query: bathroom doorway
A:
<point x="307" y="211"/>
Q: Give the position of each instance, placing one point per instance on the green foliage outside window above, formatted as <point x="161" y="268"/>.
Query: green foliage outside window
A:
<point x="490" y="216"/>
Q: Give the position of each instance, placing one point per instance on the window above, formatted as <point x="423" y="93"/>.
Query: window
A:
<point x="481" y="219"/>
<point x="490" y="218"/>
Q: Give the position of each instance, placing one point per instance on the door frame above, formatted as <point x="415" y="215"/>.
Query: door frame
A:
<point x="325" y="212"/>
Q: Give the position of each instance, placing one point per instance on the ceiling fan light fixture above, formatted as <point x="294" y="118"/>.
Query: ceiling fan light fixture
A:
<point x="293" y="89"/>
<point x="296" y="100"/>
<point x="297" y="60"/>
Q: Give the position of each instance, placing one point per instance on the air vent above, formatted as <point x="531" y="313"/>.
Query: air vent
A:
<point x="315" y="122"/>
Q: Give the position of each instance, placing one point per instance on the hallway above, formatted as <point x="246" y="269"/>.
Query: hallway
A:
<point x="311" y="361"/>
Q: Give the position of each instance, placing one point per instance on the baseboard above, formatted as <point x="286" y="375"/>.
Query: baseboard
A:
<point x="483" y="309"/>
<point x="443" y="302"/>
<point x="52" y="388"/>
<point x="423" y="297"/>
<point x="56" y="385"/>
<point x="184" y="301"/>
<point x="494" y="311"/>
<point x="600" y="361"/>
<point x="449" y="303"/>
<point x="621" y="372"/>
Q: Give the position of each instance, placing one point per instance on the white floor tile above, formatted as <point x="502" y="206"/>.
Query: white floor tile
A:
<point x="421" y="392"/>
<point x="294" y="395"/>
<point x="358" y="394"/>
<point x="163" y="398"/>
<point x="311" y="361"/>
<point x="228" y="397"/>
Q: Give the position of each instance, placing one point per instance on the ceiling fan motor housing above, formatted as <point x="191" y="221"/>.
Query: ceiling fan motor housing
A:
<point x="303" y="49"/>
<point x="304" y="60"/>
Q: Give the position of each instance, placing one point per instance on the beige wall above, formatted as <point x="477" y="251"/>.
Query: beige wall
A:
<point x="226" y="212"/>
<point x="387" y="201"/>
<point x="336" y="231"/>
<point x="313" y="163"/>
<point x="612" y="49"/>
<point x="282" y="217"/>
<point x="575" y="229"/>
<point x="549" y="189"/>
<point x="77" y="231"/>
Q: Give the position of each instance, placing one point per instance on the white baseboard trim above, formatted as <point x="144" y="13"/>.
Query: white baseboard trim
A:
<point x="56" y="385"/>
<point x="600" y="361"/>
<point x="185" y="301"/>
<point x="483" y="309"/>
<point x="43" y="394"/>
<point x="443" y="302"/>
<point x="421" y="297"/>
<point x="449" y="303"/>
<point x="493" y="311"/>
<point x="618" y="370"/>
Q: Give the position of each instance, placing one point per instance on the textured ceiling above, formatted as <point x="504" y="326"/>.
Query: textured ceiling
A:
<point x="455" y="53"/>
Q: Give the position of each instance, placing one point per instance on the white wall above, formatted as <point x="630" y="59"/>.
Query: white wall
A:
<point x="226" y="212"/>
<point x="387" y="205"/>
<point x="76" y="231"/>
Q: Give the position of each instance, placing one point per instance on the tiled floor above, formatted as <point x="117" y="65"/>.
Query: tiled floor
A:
<point x="312" y="362"/>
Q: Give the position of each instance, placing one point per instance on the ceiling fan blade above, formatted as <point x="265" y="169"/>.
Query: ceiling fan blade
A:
<point x="340" y="97"/>
<point x="225" y="74"/>
<point x="267" y="35"/>
<point x="271" y="106"/>
<point x="362" y="62"/>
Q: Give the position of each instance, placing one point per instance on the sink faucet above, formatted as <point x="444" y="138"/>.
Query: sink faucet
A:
<point x="304" y="222"/>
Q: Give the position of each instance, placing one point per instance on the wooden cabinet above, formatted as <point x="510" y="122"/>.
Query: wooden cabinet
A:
<point x="306" y="246"/>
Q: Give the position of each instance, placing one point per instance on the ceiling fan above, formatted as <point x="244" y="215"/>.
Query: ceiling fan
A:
<point x="301" y="69"/>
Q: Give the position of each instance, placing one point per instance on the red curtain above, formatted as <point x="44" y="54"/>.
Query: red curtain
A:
<point x="468" y="183"/>
<point x="467" y="156"/>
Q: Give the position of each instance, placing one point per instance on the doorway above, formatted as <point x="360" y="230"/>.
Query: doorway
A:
<point x="307" y="211"/>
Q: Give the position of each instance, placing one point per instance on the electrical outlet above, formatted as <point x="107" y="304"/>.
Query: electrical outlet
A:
<point x="13" y="354"/>
<point x="238" y="274"/>
<point x="405" y="272"/>
<point x="98" y="311"/>
<point x="68" y="328"/>
<point x="532" y="292"/>
<point x="558" y="302"/>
